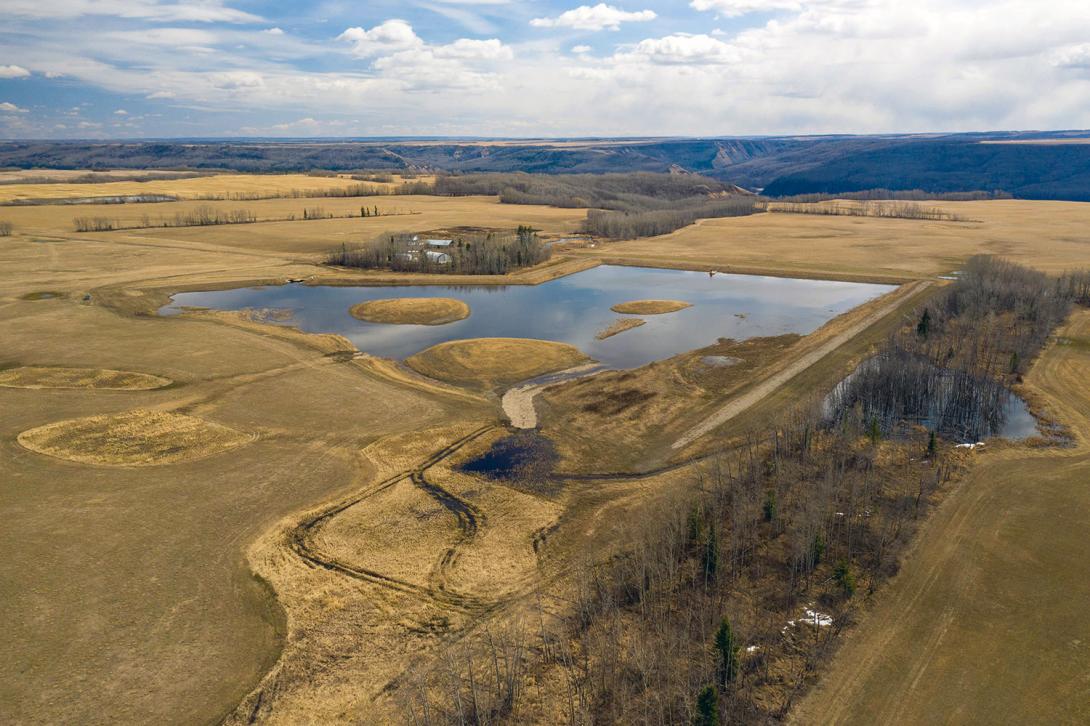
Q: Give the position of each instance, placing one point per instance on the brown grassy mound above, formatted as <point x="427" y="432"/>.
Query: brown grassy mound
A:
<point x="650" y="307"/>
<point x="494" y="362"/>
<point x="619" y="326"/>
<point x="412" y="311"/>
<point x="102" y="379"/>
<point x="133" y="438"/>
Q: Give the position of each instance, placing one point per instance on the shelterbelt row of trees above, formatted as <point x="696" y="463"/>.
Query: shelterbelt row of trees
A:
<point x="469" y="253"/>
<point x="722" y="603"/>
<point x="620" y="206"/>
<point x="208" y="216"/>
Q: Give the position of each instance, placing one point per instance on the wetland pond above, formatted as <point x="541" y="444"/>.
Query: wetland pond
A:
<point x="572" y="309"/>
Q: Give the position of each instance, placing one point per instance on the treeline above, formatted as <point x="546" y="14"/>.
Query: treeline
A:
<point x="620" y="206"/>
<point x="1078" y="286"/>
<point x="891" y="210"/>
<point x="200" y="217"/>
<point x="722" y="603"/>
<point x="911" y="195"/>
<point x="483" y="253"/>
<point x="206" y="216"/>
<point x="103" y="178"/>
<point x="351" y="190"/>
<point x="953" y="370"/>
<point x="630" y="225"/>
<point x="618" y="192"/>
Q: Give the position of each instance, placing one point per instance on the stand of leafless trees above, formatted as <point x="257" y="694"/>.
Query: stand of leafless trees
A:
<point x="890" y="210"/>
<point x="951" y="372"/>
<point x="206" y="216"/>
<point x="629" y="225"/>
<point x="912" y="195"/>
<point x="6" y="228"/>
<point x="485" y="253"/>
<point x="621" y="206"/>
<point x="726" y="597"/>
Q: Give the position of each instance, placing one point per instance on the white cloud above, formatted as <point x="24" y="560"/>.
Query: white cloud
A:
<point x="598" y="17"/>
<point x="233" y="80"/>
<point x="196" y="11"/>
<point x="1073" y="56"/>
<point x="121" y="112"/>
<point x="401" y="55"/>
<point x="8" y="107"/>
<point x="466" y="49"/>
<point x="734" y="8"/>
<point x="825" y="66"/>
<point x="273" y="31"/>
<point x="389" y="37"/>
<point x="13" y="72"/>
<point x="687" y="49"/>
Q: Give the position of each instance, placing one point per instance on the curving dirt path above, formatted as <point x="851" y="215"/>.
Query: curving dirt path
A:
<point x="469" y="518"/>
<point x="518" y="402"/>
<point x="754" y="395"/>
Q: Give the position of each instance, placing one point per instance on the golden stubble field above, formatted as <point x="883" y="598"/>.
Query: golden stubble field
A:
<point x="130" y="567"/>
<point x="216" y="185"/>
<point x="1051" y="236"/>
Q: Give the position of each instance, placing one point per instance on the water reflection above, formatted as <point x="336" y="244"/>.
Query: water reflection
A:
<point x="570" y="310"/>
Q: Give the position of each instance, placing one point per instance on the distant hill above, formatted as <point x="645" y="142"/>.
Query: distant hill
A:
<point x="1027" y="171"/>
<point x="778" y="165"/>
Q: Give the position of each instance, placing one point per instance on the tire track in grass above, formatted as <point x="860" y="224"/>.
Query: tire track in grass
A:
<point x="303" y="535"/>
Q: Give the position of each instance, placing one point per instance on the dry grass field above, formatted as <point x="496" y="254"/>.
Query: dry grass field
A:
<point x="650" y="307"/>
<point x="94" y="378"/>
<point x="132" y="438"/>
<point x="211" y="517"/>
<point x="412" y="311"/>
<point x="619" y="326"/>
<point x="219" y="185"/>
<point x="1047" y="235"/>
<point x="314" y="237"/>
<point x="488" y="363"/>
<point x="128" y="591"/>
<point x="986" y="623"/>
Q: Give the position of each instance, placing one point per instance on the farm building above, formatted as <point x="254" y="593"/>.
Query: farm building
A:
<point x="440" y="242"/>
<point x="439" y="258"/>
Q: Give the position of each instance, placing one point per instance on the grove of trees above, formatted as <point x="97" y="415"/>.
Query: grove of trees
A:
<point x="476" y="253"/>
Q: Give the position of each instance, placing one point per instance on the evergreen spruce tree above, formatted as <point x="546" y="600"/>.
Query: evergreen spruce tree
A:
<point x="924" y="326"/>
<point x="727" y="649"/>
<point x="707" y="707"/>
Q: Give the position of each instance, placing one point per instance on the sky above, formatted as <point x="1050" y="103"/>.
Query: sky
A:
<point x="539" y="68"/>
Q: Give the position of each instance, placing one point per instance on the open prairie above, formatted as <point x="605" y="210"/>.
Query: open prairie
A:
<point x="302" y="236"/>
<point x="1049" y="236"/>
<point x="238" y="186"/>
<point x="213" y="517"/>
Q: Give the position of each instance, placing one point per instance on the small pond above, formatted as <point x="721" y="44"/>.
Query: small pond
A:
<point x="998" y="412"/>
<point x="571" y="309"/>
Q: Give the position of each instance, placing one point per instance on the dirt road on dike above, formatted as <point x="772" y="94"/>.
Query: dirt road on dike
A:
<point x="754" y="395"/>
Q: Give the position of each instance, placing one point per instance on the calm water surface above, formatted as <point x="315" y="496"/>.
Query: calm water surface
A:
<point x="570" y="310"/>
